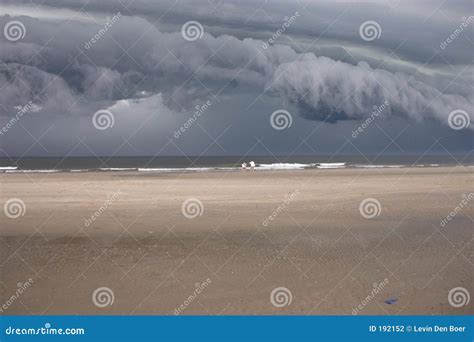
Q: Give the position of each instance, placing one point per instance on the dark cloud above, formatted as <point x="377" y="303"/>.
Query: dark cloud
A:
<point x="330" y="90"/>
<point x="71" y="63"/>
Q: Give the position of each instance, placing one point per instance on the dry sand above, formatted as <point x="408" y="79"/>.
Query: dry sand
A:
<point x="318" y="245"/>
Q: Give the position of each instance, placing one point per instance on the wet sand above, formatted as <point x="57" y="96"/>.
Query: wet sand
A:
<point x="256" y="231"/>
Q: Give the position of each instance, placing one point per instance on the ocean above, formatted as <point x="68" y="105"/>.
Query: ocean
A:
<point x="195" y="163"/>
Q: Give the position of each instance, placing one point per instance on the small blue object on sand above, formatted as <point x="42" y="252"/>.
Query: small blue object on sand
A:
<point x="391" y="301"/>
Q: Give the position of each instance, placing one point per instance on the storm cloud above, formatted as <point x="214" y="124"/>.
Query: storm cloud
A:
<point x="78" y="57"/>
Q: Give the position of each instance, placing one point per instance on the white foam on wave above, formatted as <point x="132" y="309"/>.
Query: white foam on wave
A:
<point x="282" y="166"/>
<point x="369" y="166"/>
<point x="188" y="169"/>
<point x="6" y="168"/>
<point x="330" y="165"/>
<point x="32" y="171"/>
<point x="174" y="169"/>
<point x="118" y="169"/>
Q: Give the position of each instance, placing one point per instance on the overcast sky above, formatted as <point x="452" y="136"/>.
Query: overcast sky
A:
<point x="123" y="77"/>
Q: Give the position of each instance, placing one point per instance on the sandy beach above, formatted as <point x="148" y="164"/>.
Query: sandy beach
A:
<point x="238" y="237"/>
